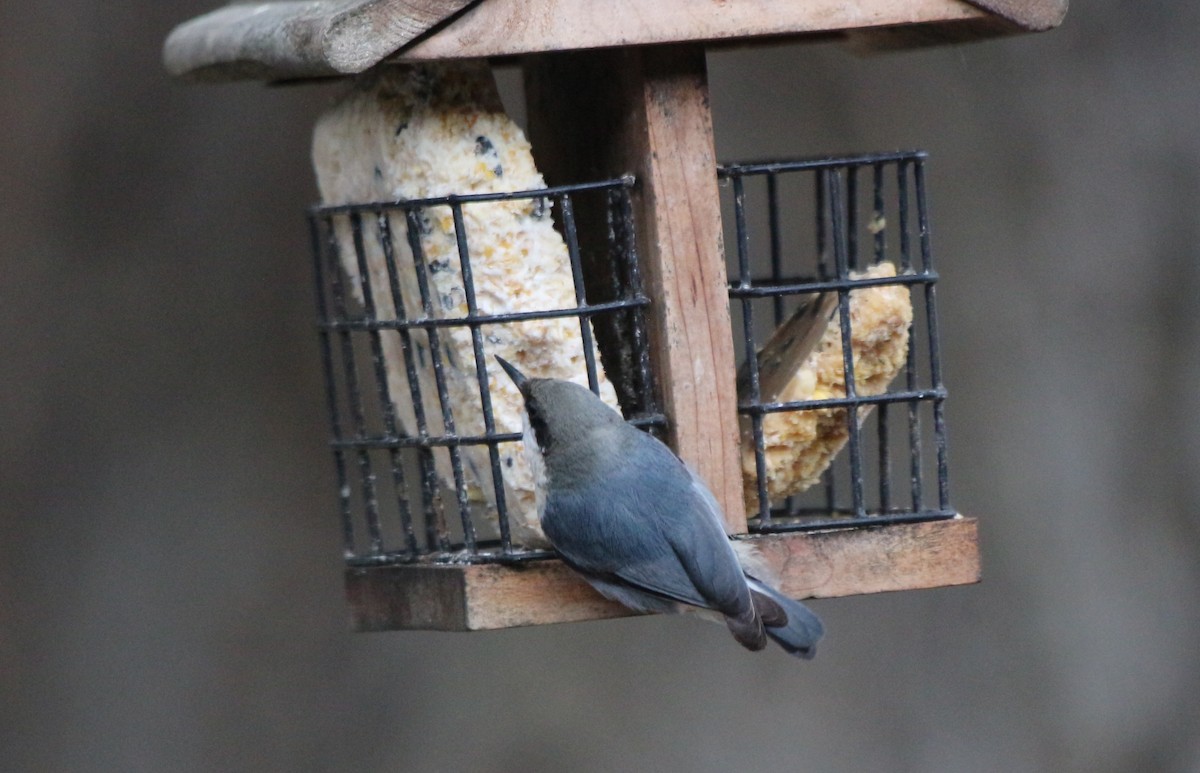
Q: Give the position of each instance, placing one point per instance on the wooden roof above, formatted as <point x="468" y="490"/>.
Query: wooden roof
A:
<point x="292" y="39"/>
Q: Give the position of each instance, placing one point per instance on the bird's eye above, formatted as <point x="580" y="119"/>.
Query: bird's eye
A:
<point x="537" y="421"/>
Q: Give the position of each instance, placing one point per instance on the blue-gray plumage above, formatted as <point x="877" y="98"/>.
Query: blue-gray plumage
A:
<point x="623" y="511"/>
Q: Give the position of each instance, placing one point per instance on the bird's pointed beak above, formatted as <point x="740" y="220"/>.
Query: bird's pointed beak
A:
<point x="517" y="376"/>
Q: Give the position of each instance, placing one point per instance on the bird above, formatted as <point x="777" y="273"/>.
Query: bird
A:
<point x="622" y="510"/>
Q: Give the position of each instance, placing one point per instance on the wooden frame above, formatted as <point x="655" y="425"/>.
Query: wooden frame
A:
<point x="810" y="565"/>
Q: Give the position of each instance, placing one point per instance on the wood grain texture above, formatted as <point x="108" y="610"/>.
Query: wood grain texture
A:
<point x="891" y="558"/>
<point x="407" y="597"/>
<point x="318" y="38"/>
<point x="684" y="261"/>
<point x="810" y="565"/>
<point x="646" y="111"/>
<point x="504" y="27"/>
<point x="543" y="592"/>
<point x="299" y="39"/>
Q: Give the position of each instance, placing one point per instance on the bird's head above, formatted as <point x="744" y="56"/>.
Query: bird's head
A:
<point x="559" y="411"/>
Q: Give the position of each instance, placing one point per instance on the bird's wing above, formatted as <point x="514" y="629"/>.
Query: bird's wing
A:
<point x="669" y="542"/>
<point x="624" y="549"/>
<point x="696" y="531"/>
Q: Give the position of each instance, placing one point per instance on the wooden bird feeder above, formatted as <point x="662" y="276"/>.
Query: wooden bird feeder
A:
<point x="617" y="89"/>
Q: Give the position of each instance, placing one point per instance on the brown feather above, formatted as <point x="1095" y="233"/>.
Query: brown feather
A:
<point x="769" y="610"/>
<point x="748" y="629"/>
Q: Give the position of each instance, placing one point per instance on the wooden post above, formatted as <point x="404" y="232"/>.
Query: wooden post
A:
<point x="595" y="114"/>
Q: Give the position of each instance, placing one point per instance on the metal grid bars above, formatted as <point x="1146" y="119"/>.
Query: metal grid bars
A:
<point x="807" y="234"/>
<point x="419" y="455"/>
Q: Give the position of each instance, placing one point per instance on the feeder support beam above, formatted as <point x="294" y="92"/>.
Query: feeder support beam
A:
<point x="645" y="111"/>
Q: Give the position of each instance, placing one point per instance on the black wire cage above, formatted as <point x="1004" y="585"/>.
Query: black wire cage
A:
<point x="810" y="227"/>
<point x="395" y="507"/>
<point x="409" y="470"/>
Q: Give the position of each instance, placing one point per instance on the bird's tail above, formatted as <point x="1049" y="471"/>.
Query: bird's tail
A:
<point x="748" y="628"/>
<point x="792" y="625"/>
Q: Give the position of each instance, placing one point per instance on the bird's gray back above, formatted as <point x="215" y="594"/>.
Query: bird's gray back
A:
<point x="635" y="513"/>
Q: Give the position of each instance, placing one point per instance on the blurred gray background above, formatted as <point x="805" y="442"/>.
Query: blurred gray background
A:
<point x="170" y="592"/>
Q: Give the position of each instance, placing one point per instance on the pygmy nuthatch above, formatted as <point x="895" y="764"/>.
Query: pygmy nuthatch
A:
<point x="623" y="511"/>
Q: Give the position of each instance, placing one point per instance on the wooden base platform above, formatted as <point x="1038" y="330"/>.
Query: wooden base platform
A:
<point x="809" y="565"/>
